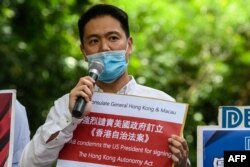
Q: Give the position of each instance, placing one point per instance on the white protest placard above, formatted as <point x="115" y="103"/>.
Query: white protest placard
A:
<point x="125" y="130"/>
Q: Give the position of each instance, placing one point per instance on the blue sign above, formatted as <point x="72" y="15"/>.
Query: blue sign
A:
<point x="214" y="141"/>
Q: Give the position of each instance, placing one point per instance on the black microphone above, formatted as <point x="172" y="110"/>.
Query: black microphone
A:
<point x="95" y="69"/>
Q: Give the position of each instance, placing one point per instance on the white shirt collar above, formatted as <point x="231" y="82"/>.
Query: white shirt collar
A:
<point x="124" y="90"/>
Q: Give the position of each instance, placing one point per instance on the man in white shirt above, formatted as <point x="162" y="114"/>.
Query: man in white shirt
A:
<point x="105" y="37"/>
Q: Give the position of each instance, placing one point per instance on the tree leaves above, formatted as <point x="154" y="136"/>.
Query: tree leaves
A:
<point x="196" y="51"/>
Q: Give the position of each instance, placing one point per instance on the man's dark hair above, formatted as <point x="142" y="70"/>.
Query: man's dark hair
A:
<point x="103" y="10"/>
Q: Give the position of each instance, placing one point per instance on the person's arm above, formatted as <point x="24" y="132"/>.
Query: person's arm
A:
<point x="21" y="133"/>
<point x="58" y="129"/>
<point x="50" y="138"/>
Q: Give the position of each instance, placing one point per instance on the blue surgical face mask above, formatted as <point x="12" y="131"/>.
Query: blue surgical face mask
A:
<point x="114" y="62"/>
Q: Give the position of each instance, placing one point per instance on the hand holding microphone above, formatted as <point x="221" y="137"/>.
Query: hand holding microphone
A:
<point x="95" y="69"/>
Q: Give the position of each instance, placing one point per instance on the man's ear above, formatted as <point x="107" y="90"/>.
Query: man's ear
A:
<point x="130" y="45"/>
<point x="83" y="53"/>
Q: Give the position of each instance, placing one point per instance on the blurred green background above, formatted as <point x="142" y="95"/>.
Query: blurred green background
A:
<point x="198" y="51"/>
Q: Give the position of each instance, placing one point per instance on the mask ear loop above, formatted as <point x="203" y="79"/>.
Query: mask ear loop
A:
<point x="126" y="53"/>
<point x="85" y="56"/>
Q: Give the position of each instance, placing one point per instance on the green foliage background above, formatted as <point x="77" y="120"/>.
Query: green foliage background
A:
<point x="198" y="51"/>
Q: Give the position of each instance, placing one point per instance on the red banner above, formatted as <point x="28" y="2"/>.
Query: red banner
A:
<point x="6" y="102"/>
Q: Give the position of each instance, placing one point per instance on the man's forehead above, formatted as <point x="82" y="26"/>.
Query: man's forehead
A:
<point x="103" y="20"/>
<point x="103" y="25"/>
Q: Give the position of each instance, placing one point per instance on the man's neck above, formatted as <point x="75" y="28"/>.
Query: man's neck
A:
<point x="115" y="86"/>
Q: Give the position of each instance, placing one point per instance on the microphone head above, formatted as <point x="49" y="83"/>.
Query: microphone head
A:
<point x="96" y="67"/>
